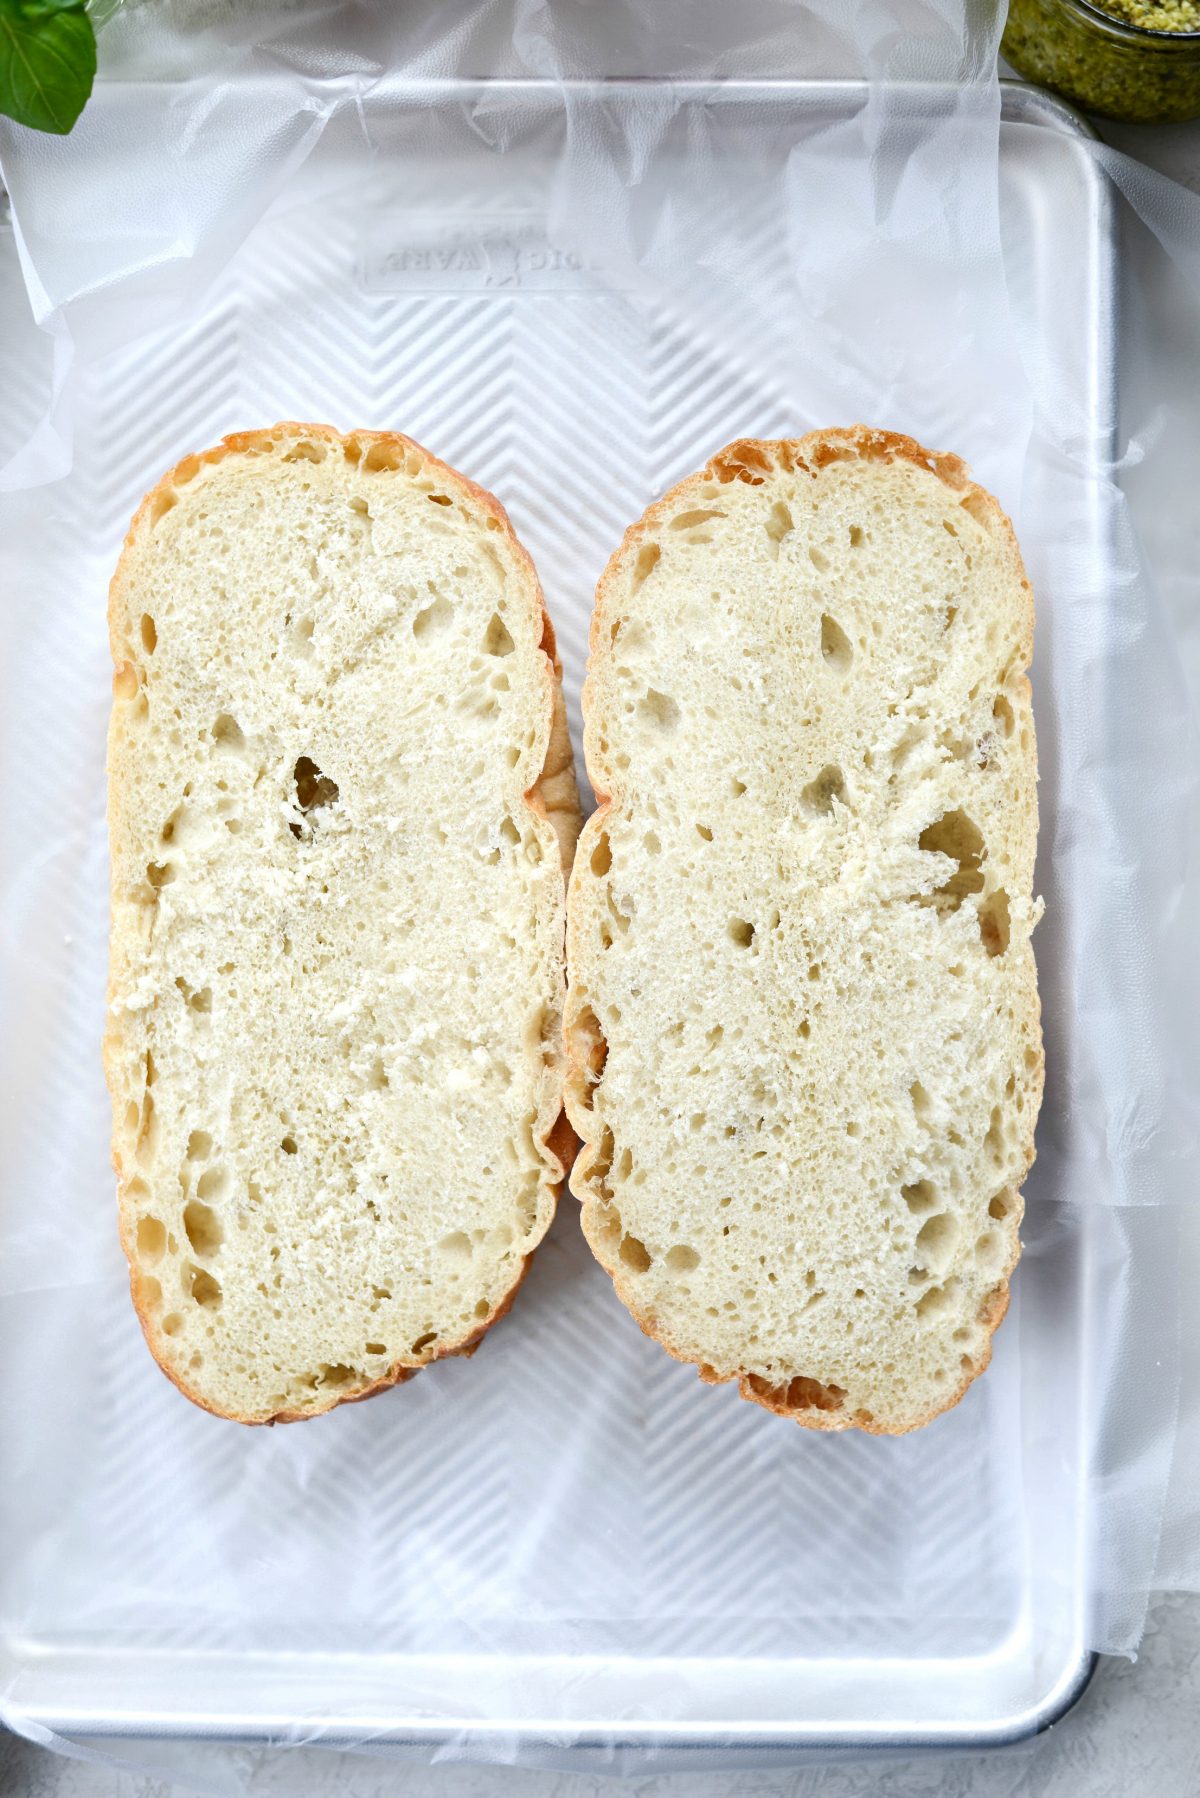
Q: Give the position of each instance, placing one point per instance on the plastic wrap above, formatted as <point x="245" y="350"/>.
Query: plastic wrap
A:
<point x="255" y="219"/>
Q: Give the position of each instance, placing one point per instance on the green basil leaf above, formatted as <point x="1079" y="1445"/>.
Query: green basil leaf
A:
<point x="47" y="66"/>
<point x="35" y="9"/>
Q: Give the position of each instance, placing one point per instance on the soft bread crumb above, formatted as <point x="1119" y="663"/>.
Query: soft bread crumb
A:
<point x="802" y="1017"/>
<point x="339" y="814"/>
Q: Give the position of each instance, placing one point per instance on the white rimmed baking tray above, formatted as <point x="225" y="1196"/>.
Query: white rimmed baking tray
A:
<point x="511" y="1548"/>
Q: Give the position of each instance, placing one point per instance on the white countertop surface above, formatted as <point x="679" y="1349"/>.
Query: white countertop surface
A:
<point x="1135" y="1734"/>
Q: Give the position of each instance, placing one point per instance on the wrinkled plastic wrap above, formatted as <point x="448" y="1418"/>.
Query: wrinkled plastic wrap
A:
<point x="576" y="295"/>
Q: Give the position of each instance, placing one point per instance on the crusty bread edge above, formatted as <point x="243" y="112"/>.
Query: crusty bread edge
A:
<point x="554" y="796"/>
<point x="754" y="459"/>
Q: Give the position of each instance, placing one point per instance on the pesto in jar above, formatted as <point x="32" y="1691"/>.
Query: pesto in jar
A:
<point x="1129" y="59"/>
<point x="1155" y="15"/>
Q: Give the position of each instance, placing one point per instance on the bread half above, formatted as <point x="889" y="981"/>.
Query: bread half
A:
<point x="341" y="802"/>
<point x="802" y="1016"/>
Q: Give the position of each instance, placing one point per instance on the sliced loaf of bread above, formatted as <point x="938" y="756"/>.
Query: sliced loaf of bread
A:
<point x="341" y="801"/>
<point x="802" y="1014"/>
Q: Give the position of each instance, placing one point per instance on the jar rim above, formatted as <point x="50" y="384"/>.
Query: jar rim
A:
<point x="1093" y="9"/>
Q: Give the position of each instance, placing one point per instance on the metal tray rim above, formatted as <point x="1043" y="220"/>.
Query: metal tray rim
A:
<point x="1020" y="102"/>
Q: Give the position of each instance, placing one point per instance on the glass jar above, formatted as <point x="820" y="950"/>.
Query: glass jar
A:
<point x="1102" y="63"/>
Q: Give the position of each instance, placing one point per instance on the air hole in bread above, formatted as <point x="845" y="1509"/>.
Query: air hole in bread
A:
<point x="161" y="504"/>
<point x="606" y="1226"/>
<point x="818" y="558"/>
<point x="335" y="1373"/>
<point x="741" y="932"/>
<point x="920" y="1196"/>
<point x="125" y="681"/>
<point x="151" y="1240"/>
<point x="601" y="857"/>
<point x="305" y="451"/>
<point x="704" y="833"/>
<point x="424" y="1341"/>
<point x="509" y="831"/>
<point x="1003" y="1205"/>
<point x="457" y="1246"/>
<point x="690" y="521"/>
<point x="439" y="499"/>
<point x="933" y="1303"/>
<point x="289" y="1145"/>
<point x="659" y="708"/>
<point x="384" y="455"/>
<point x="600" y="1165"/>
<point x="819" y="796"/>
<point x="995" y="926"/>
<point x="205" y="1290"/>
<point x="202" y="1228"/>
<point x="741" y="462"/>
<point x="681" y="1259"/>
<point x="433" y="620"/>
<point x="147" y="1131"/>
<point x="228" y="732"/>
<point x="160" y="874"/>
<point x="645" y="564"/>
<point x="779" y="523"/>
<point x="990" y="1252"/>
<point x="936" y="1239"/>
<point x="172" y="1324"/>
<point x="148" y="1291"/>
<point x="857" y="536"/>
<point x="634" y="1255"/>
<point x="302" y="636"/>
<point x="799" y="1394"/>
<point x="375" y="1348"/>
<point x="594" y="1044"/>
<point x="497" y="639"/>
<point x="195" y="998"/>
<point x="149" y="634"/>
<point x="211" y="1183"/>
<point x="959" y="838"/>
<point x="199" y="1146"/>
<point x="313" y="789"/>
<point x="994" y="1141"/>
<point x="835" y="645"/>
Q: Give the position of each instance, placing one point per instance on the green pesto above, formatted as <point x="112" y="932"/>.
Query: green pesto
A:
<point x="1128" y="59"/>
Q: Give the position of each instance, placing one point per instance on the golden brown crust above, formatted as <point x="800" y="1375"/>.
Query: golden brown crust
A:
<point x="554" y="796"/>
<point x="754" y="460"/>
